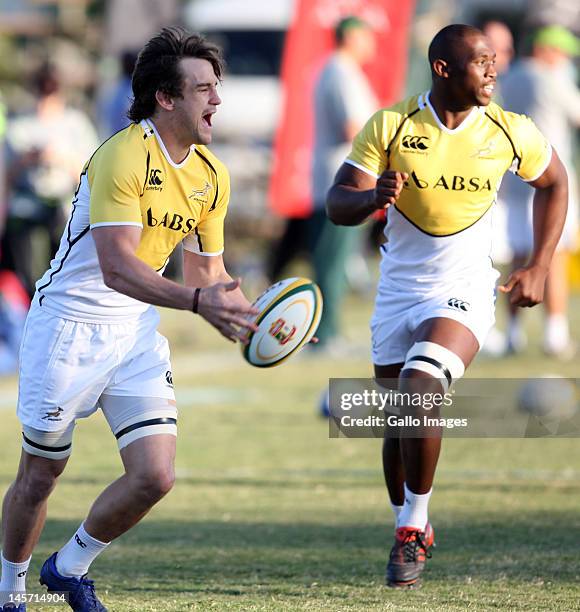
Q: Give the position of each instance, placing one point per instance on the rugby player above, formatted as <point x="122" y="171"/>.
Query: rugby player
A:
<point x="91" y="341"/>
<point x="435" y="161"/>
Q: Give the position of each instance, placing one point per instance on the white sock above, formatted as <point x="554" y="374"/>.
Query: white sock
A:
<point x="76" y="556"/>
<point x="556" y="333"/>
<point x="396" y="511"/>
<point x="13" y="579"/>
<point x="415" y="510"/>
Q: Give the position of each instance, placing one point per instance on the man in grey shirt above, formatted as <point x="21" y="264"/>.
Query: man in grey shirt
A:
<point x="343" y="101"/>
<point x="542" y="86"/>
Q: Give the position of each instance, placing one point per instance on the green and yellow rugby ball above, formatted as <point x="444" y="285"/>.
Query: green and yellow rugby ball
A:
<point x="290" y="312"/>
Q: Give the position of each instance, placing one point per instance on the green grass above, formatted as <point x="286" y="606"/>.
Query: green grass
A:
<point x="268" y="513"/>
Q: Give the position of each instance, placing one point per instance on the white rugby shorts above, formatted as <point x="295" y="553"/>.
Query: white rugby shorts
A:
<point x="68" y="369"/>
<point x="398" y="313"/>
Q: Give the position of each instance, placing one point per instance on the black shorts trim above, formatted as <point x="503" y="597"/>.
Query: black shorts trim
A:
<point x="49" y="449"/>
<point x="436" y="363"/>
<point x="160" y="421"/>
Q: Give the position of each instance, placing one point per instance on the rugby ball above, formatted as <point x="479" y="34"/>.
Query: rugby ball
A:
<point x="289" y="315"/>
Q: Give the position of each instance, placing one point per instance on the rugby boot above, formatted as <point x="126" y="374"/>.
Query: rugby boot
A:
<point x="407" y="557"/>
<point x="81" y="591"/>
<point x="430" y="536"/>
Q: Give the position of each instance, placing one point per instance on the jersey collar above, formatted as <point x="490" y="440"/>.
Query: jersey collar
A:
<point x="425" y="101"/>
<point x="149" y="128"/>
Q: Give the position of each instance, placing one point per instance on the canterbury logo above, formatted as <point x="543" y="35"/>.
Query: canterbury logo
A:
<point x="455" y="303"/>
<point x="79" y="541"/>
<point x="154" y="178"/>
<point x="415" y="142"/>
<point x="169" y="378"/>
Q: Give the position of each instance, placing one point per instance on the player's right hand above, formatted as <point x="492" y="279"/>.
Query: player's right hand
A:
<point x="224" y="306"/>
<point x="388" y="188"/>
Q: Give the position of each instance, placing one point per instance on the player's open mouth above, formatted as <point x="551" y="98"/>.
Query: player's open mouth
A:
<point x="488" y="89"/>
<point x="207" y="119"/>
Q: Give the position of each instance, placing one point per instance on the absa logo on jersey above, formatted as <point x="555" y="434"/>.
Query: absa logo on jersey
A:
<point x="450" y="183"/>
<point x="172" y="221"/>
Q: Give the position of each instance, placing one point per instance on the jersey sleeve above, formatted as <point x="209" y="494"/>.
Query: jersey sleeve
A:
<point x="208" y="237"/>
<point x="533" y="149"/>
<point x="116" y="179"/>
<point x="368" y="148"/>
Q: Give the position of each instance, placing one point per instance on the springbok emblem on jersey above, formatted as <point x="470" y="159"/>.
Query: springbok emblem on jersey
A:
<point x="281" y="331"/>
<point x="484" y="152"/>
<point x="199" y="193"/>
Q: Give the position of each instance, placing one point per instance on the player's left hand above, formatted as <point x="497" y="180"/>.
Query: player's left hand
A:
<point x="526" y="286"/>
<point x="224" y="306"/>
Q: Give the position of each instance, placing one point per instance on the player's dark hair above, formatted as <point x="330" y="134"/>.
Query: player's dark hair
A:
<point x="157" y="67"/>
<point x="449" y="43"/>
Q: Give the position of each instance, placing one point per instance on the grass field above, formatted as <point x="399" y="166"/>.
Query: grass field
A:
<point x="268" y="513"/>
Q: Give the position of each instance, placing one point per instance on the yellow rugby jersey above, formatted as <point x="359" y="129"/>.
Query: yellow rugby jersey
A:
<point x="454" y="174"/>
<point x="132" y="180"/>
<point x="440" y="229"/>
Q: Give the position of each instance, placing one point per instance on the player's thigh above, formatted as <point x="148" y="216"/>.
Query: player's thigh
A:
<point x="459" y="316"/>
<point x="64" y="366"/>
<point x="151" y="460"/>
<point x="387" y="375"/>
<point x="135" y="418"/>
<point x="140" y="402"/>
<point x="449" y="328"/>
<point x="450" y="334"/>
<point x="146" y="433"/>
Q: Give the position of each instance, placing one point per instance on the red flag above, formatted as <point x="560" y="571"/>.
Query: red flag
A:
<point x="309" y="41"/>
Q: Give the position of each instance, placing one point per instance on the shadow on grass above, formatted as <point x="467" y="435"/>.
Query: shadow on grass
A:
<point x="231" y="557"/>
<point x="306" y="480"/>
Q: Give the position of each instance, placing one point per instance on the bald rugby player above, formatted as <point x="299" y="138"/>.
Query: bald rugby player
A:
<point x="435" y="161"/>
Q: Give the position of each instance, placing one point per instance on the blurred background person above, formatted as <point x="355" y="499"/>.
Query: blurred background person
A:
<point x="118" y="99"/>
<point x="502" y="42"/>
<point x="46" y="150"/>
<point x="343" y="101"/>
<point x="543" y="87"/>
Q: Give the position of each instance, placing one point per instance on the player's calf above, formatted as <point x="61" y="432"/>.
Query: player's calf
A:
<point x="429" y="368"/>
